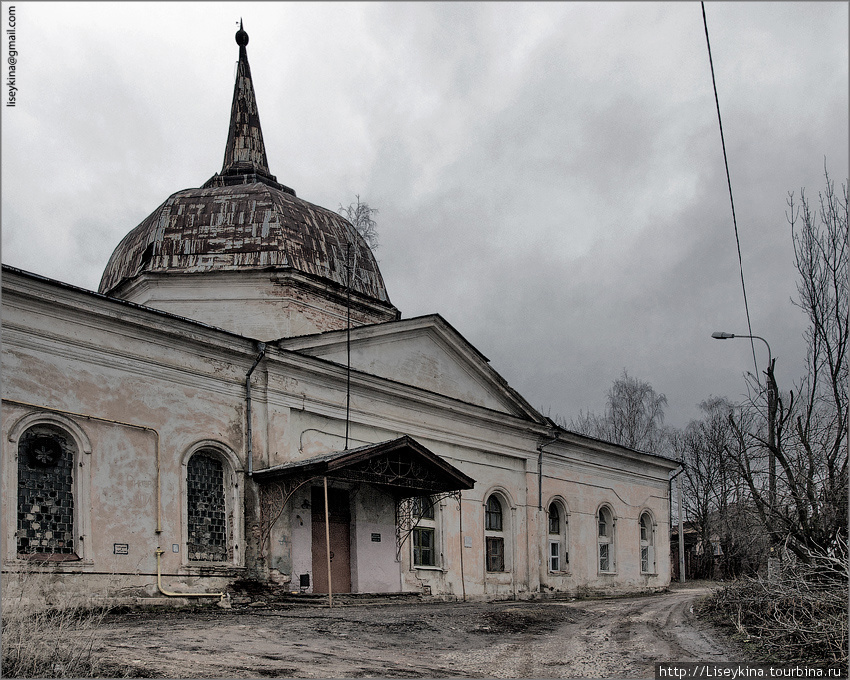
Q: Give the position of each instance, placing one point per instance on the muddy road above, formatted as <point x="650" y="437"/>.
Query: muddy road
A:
<point x="546" y="639"/>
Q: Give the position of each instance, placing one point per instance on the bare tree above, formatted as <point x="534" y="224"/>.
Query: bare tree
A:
<point x="361" y="216"/>
<point x="806" y="432"/>
<point x="634" y="416"/>
<point x="716" y="501"/>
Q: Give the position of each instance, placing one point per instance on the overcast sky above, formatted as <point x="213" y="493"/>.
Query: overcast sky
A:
<point x="549" y="176"/>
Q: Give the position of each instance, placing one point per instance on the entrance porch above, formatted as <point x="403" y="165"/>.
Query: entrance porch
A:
<point x="345" y="516"/>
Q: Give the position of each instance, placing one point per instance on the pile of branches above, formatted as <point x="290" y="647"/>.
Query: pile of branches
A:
<point x="798" y="616"/>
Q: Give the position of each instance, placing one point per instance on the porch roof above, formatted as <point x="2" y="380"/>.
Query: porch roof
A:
<point x="403" y="465"/>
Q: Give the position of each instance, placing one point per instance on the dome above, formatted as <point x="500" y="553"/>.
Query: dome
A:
<point x="243" y="227"/>
<point x="243" y="220"/>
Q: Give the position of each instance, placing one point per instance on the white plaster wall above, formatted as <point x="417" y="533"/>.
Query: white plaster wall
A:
<point x="86" y="355"/>
<point x="374" y="568"/>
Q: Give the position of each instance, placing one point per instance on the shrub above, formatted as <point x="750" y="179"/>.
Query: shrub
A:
<point x="800" y="616"/>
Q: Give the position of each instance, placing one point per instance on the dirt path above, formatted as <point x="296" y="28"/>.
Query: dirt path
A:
<point x="554" y="639"/>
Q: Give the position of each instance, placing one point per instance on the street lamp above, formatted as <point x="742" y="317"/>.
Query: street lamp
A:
<point x="720" y="335"/>
<point x="771" y="411"/>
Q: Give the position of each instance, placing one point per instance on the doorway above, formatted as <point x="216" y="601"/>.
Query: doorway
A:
<point x="339" y="529"/>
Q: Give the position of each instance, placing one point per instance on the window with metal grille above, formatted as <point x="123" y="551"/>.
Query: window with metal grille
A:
<point x="46" y="492"/>
<point x="207" y="509"/>
<point x="423" y="547"/>
<point x="604" y="557"/>
<point x="495" y="553"/>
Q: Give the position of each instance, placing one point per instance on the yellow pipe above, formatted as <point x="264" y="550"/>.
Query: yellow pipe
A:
<point x="159" y="552"/>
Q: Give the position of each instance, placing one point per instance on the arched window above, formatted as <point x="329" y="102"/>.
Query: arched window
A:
<point x="647" y="544"/>
<point x="606" y="540"/>
<point x="208" y="537"/>
<point x="558" y="550"/>
<point x="46" y="455"/>
<point x="424" y="533"/>
<point x="493" y="534"/>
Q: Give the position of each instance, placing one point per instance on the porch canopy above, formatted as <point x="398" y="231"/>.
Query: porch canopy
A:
<point x="402" y="466"/>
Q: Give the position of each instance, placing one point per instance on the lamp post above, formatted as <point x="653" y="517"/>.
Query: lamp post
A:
<point x="771" y="413"/>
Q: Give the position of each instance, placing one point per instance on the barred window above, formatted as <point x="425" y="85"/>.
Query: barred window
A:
<point x="207" y="509"/>
<point x="45" y="526"/>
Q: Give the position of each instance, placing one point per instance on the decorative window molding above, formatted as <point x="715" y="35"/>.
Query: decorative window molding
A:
<point x="51" y="481"/>
<point x="212" y="506"/>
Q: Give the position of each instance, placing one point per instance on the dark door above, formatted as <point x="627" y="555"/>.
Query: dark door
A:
<point x="339" y="527"/>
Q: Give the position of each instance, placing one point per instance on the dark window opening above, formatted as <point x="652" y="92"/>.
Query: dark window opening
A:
<point x="495" y="553"/>
<point x="554" y="520"/>
<point x="423" y="508"/>
<point x="493" y="515"/>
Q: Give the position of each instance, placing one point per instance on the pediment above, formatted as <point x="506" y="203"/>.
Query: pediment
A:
<point x="425" y="352"/>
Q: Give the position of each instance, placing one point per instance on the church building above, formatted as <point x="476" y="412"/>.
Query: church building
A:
<point x="240" y="400"/>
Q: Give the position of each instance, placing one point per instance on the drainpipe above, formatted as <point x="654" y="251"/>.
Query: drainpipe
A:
<point x="540" y="448"/>
<point x="262" y="347"/>
<point x="541" y="528"/>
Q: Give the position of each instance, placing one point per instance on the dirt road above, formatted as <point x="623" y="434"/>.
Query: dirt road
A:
<point x="548" y="639"/>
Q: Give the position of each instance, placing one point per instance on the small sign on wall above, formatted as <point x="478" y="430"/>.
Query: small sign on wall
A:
<point x="376" y="538"/>
<point x="467" y="541"/>
<point x="120" y="548"/>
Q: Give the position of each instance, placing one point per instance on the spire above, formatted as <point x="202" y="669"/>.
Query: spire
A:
<point x="245" y="152"/>
<point x="245" y="155"/>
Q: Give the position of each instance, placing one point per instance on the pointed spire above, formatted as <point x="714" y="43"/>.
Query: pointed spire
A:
<point x="245" y="152"/>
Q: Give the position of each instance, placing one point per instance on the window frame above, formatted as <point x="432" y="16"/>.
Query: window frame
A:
<point x="606" y="540"/>
<point x="426" y="524"/>
<point x="498" y="542"/>
<point x="646" y="543"/>
<point x="561" y="536"/>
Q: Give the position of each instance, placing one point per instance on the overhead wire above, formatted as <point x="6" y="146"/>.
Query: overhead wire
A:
<point x="731" y="199"/>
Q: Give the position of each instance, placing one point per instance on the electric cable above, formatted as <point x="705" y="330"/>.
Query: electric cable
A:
<point x="731" y="200"/>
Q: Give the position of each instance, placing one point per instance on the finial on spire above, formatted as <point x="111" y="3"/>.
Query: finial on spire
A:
<point x="241" y="35"/>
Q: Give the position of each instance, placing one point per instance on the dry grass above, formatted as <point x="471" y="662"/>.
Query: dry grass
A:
<point x="49" y="634"/>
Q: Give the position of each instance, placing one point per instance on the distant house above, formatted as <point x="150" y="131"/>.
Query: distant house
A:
<point x="241" y="399"/>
